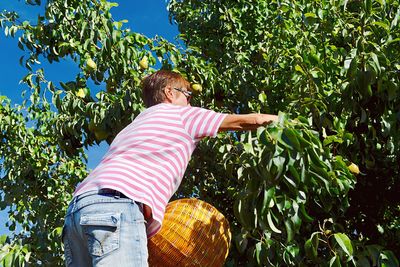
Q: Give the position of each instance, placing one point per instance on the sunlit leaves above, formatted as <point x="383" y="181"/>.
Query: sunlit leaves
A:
<point x="334" y="63"/>
<point x="288" y="171"/>
<point x="34" y="166"/>
<point x="344" y="243"/>
<point x="13" y="254"/>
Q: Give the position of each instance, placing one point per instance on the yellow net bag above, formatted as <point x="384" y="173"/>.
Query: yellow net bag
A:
<point x="193" y="233"/>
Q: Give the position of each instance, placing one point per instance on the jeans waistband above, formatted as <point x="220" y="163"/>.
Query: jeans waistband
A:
<point x="111" y="192"/>
<point x="79" y="201"/>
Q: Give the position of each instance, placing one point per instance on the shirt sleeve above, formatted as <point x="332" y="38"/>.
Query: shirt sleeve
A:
<point x="200" y="122"/>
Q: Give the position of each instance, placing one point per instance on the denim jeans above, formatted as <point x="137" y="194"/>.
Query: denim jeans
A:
<point x="104" y="230"/>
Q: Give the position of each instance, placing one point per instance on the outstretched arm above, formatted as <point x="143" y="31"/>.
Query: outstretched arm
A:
<point x="234" y="122"/>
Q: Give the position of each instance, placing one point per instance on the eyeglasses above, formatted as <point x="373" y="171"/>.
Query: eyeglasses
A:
<point x="187" y="94"/>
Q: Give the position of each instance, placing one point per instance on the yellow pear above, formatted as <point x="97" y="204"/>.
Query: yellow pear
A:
<point x="354" y="168"/>
<point x="81" y="93"/>
<point x="144" y="63"/>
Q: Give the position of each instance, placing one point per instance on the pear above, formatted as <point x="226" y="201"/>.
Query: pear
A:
<point x="100" y="135"/>
<point x="144" y="63"/>
<point x="353" y="168"/>
<point x="92" y="126"/>
<point x="91" y="65"/>
<point x="82" y="92"/>
<point x="197" y="88"/>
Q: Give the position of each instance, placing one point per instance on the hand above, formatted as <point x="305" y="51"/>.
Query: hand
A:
<point x="147" y="213"/>
<point x="235" y="122"/>
<point x="265" y="119"/>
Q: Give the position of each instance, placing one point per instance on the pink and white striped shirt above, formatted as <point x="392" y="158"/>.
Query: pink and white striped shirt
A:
<point x="148" y="158"/>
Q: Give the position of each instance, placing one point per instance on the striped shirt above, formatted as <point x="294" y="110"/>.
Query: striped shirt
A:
<point x="148" y="158"/>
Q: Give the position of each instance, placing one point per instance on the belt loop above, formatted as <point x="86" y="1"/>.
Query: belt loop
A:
<point x="117" y="194"/>
<point x="74" y="200"/>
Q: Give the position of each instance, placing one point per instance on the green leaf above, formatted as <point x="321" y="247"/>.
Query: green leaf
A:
<point x="375" y="63"/>
<point x="268" y="194"/>
<point x="299" y="69"/>
<point x="315" y="158"/>
<point x="295" y="173"/>
<point x="335" y="262"/>
<point x="393" y="40"/>
<point x="3" y="238"/>
<point x="289" y="231"/>
<point x="310" y="15"/>
<point x="373" y="253"/>
<point x="368" y="6"/>
<point x="396" y="19"/>
<point x="291" y="135"/>
<point x="363" y="262"/>
<point x="311" y="246"/>
<point x="9" y="259"/>
<point x="258" y="251"/>
<point x="83" y="28"/>
<point x="388" y="259"/>
<point x="352" y="67"/>
<point x="262" y="97"/>
<point x="271" y="224"/>
<point x="241" y="242"/>
<point x="382" y="25"/>
<point x="344" y="242"/>
<point x="243" y="213"/>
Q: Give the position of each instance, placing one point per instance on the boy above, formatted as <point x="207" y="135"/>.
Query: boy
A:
<point x="122" y="201"/>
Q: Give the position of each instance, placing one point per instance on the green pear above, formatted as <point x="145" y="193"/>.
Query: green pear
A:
<point x="91" y="65"/>
<point x="197" y="88"/>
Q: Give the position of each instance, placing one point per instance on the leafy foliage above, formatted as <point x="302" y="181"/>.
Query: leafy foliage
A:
<point x="332" y="66"/>
<point x="335" y="62"/>
<point x="38" y="182"/>
<point x="289" y="173"/>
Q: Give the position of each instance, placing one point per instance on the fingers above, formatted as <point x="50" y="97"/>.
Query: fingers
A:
<point x="268" y="119"/>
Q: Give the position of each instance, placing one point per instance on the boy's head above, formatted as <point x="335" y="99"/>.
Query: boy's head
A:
<point x="165" y="86"/>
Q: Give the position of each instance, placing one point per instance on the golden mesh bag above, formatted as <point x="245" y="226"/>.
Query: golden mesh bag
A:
<point x="193" y="233"/>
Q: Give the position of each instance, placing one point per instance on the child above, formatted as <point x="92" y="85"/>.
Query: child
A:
<point x="122" y="201"/>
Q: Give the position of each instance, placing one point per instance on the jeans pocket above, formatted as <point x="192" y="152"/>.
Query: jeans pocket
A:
<point x="102" y="231"/>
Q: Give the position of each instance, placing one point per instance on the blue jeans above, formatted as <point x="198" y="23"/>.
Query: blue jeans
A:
<point x="104" y="229"/>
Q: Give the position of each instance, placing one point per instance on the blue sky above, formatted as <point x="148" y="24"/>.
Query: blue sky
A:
<point x="147" y="17"/>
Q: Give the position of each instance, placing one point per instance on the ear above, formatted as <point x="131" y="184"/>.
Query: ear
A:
<point x="169" y="94"/>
